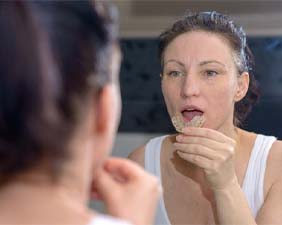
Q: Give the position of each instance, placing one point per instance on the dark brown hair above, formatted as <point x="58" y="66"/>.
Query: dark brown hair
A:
<point x="217" y="23"/>
<point x="53" y="58"/>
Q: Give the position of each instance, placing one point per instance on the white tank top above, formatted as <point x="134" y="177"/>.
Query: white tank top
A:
<point x="252" y="184"/>
<point x="102" y="219"/>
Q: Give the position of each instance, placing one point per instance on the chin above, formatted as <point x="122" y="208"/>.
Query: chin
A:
<point x="210" y="126"/>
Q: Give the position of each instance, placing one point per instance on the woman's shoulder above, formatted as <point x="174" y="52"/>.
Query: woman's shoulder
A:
<point x="252" y="139"/>
<point x="277" y="146"/>
<point x="273" y="173"/>
<point x="273" y="170"/>
<point x="275" y="156"/>
<point x="138" y="155"/>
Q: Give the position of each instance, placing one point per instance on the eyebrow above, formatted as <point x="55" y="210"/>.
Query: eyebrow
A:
<point x="211" y="61"/>
<point x="201" y="63"/>
<point x="175" y="61"/>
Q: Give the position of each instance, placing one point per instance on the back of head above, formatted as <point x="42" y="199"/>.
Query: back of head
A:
<point x="53" y="58"/>
<point x="20" y="85"/>
<point x="220" y="24"/>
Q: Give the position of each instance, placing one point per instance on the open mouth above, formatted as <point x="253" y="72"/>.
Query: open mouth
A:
<point x="188" y="118"/>
<point x="188" y="115"/>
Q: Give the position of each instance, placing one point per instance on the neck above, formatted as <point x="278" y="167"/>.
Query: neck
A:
<point x="32" y="199"/>
<point x="39" y="184"/>
<point x="73" y="182"/>
<point x="229" y="130"/>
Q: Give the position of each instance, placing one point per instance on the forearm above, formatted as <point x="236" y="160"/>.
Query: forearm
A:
<point x="232" y="207"/>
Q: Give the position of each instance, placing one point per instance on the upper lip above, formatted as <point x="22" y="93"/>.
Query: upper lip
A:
<point x="190" y="108"/>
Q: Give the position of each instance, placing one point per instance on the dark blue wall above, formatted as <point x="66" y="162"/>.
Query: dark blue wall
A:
<point x="143" y="106"/>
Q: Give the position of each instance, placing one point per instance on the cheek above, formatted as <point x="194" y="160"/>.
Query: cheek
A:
<point x="220" y="103"/>
<point x="223" y="91"/>
<point x="170" y="97"/>
<point x="222" y="98"/>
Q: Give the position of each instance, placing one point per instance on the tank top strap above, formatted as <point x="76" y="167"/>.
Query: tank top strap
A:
<point x="152" y="155"/>
<point x="253" y="183"/>
<point x="153" y="166"/>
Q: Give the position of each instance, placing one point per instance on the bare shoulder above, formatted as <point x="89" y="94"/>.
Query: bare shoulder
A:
<point x="270" y="213"/>
<point x="277" y="145"/>
<point x="138" y="155"/>
<point x="276" y="152"/>
<point x="274" y="163"/>
<point x="275" y="156"/>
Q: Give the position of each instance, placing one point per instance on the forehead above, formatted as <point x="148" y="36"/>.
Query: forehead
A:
<point x="197" y="46"/>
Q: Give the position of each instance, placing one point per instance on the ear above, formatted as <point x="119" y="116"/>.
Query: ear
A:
<point x="107" y="110"/>
<point x="104" y="113"/>
<point x="100" y="143"/>
<point x="243" y="86"/>
<point x="104" y="126"/>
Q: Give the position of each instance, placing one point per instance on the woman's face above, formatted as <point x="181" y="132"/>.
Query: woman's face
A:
<point x="200" y="78"/>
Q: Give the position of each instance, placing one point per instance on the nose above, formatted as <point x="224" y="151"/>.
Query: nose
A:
<point x="190" y="86"/>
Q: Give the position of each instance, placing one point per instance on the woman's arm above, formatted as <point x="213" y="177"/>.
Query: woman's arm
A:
<point x="232" y="207"/>
<point x="271" y="211"/>
<point x="138" y="155"/>
<point x="214" y="153"/>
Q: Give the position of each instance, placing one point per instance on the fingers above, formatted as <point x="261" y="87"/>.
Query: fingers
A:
<point x="200" y="161"/>
<point x="210" y="150"/>
<point x="103" y="185"/>
<point x="218" y="153"/>
<point x="126" y="189"/>
<point x="94" y="194"/>
<point x="213" y="140"/>
<point x="123" y="167"/>
<point x="203" y="141"/>
<point x="204" y="147"/>
<point x="207" y="133"/>
<point x="116" y="172"/>
<point x="197" y="150"/>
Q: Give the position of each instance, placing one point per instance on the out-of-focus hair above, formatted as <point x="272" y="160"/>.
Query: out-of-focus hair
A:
<point x="53" y="60"/>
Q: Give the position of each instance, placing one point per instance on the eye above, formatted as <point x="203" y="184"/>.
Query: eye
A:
<point x="175" y="73"/>
<point x="210" y="73"/>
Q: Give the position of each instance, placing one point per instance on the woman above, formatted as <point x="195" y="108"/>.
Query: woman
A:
<point x="217" y="173"/>
<point x="59" y="110"/>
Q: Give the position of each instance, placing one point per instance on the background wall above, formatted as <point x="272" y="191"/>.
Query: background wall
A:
<point x="147" y="18"/>
<point x="143" y="114"/>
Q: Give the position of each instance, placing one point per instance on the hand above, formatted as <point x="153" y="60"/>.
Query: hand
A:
<point x="210" y="150"/>
<point x="128" y="191"/>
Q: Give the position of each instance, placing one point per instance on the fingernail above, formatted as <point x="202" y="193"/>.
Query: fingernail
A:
<point x="179" y="153"/>
<point x="186" y="129"/>
<point x="179" y="137"/>
<point x="175" y="144"/>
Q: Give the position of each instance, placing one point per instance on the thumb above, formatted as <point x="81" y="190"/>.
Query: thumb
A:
<point x="104" y="185"/>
